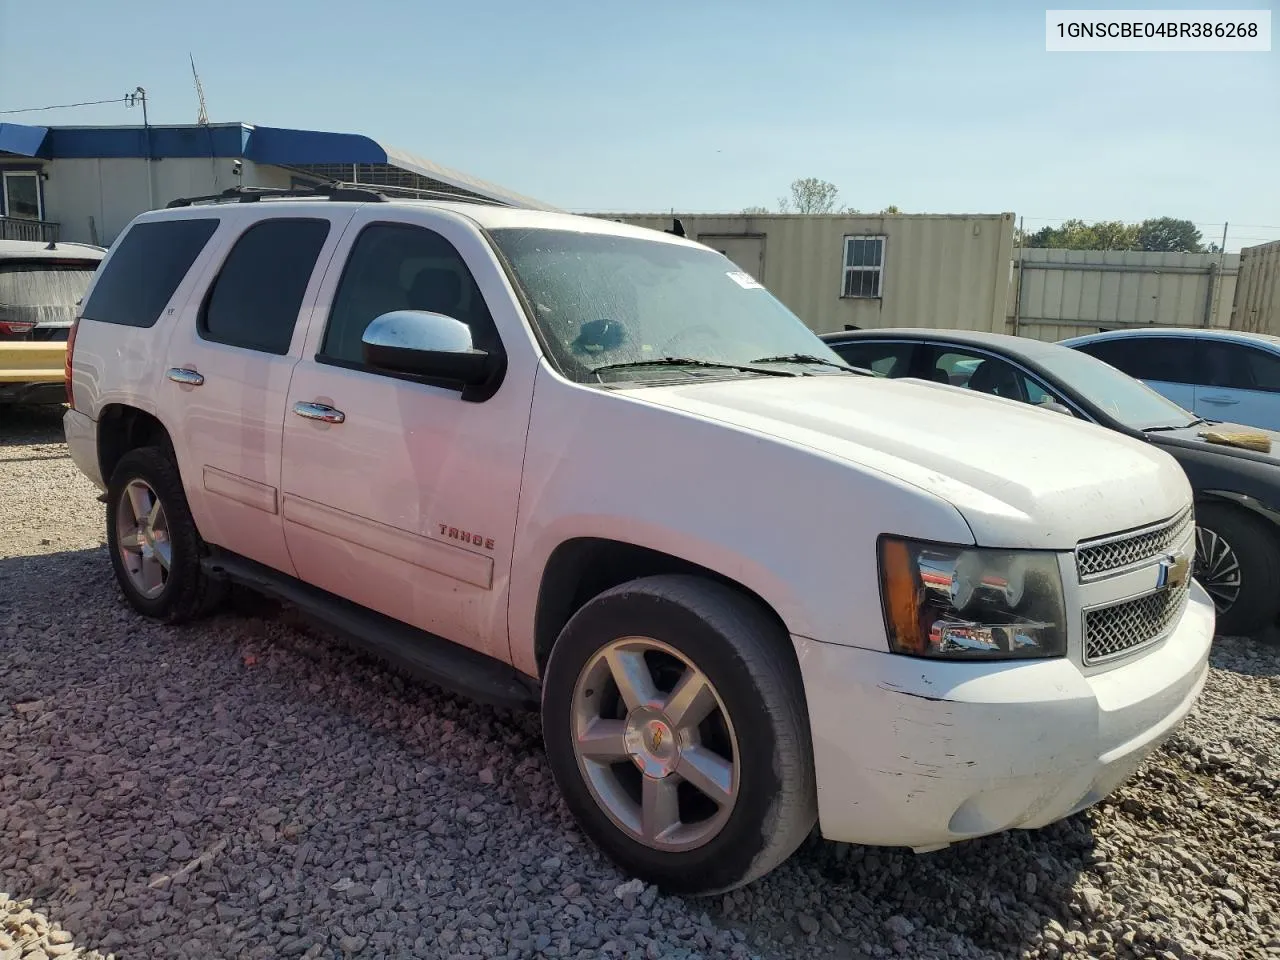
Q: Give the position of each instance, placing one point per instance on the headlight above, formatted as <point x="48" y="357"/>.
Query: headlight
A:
<point x="967" y="603"/>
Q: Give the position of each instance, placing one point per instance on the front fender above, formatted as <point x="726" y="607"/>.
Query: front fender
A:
<point x="796" y="527"/>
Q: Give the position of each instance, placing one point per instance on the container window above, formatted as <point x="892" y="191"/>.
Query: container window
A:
<point x="863" y="266"/>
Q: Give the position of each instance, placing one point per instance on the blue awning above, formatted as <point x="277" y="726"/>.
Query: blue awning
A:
<point x="21" y="139"/>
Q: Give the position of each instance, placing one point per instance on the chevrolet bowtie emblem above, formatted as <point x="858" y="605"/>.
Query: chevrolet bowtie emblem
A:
<point x="1173" y="570"/>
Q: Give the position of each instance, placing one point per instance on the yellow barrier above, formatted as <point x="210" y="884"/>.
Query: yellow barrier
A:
<point x="27" y="362"/>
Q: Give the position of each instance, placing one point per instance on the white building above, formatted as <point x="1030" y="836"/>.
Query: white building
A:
<point x="86" y="183"/>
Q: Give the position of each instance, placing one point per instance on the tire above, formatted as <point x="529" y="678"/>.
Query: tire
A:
<point x="1228" y="539"/>
<point x="185" y="592"/>
<point x="758" y="719"/>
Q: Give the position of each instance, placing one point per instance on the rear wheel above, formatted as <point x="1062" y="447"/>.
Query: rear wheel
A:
<point x="675" y="725"/>
<point x="1238" y="564"/>
<point x="156" y="550"/>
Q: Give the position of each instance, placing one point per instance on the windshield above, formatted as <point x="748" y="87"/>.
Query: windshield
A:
<point x="38" y="292"/>
<point x="601" y="300"/>
<point x="1129" y="401"/>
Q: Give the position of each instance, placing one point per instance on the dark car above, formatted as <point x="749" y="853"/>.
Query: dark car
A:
<point x="1237" y="491"/>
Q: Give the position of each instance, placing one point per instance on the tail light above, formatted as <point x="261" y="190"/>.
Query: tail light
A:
<point x="16" y="327"/>
<point x="66" y="369"/>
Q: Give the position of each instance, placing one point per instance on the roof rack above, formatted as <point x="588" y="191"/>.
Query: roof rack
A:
<point x="426" y="193"/>
<point x="331" y="191"/>
<point x="335" y="190"/>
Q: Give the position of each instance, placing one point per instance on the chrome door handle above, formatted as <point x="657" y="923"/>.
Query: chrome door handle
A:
<point x="184" y="376"/>
<point x="319" y="411"/>
<point x="1219" y="400"/>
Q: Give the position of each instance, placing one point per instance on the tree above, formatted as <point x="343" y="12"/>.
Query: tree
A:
<point x="892" y="208"/>
<point x="1170" y="235"/>
<point x="810" y="195"/>
<point x="1159" y="233"/>
<point x="754" y="211"/>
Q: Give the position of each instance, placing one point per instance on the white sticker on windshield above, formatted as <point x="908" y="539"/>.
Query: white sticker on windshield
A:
<point x="745" y="280"/>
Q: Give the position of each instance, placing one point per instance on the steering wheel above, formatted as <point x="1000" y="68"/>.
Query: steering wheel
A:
<point x="665" y="349"/>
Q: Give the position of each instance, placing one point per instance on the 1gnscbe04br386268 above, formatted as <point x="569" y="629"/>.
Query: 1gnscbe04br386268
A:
<point x="749" y="587"/>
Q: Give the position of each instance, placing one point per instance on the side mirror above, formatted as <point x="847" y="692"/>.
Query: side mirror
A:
<point x="426" y="344"/>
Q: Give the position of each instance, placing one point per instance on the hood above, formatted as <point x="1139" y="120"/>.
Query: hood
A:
<point x="1189" y="438"/>
<point x="1216" y="469"/>
<point x="1020" y="476"/>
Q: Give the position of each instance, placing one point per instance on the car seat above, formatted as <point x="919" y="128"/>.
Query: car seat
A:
<point x="996" y="379"/>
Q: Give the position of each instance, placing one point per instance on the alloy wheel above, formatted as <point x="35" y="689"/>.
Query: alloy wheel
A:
<point x="655" y="744"/>
<point x="142" y="536"/>
<point x="1217" y="569"/>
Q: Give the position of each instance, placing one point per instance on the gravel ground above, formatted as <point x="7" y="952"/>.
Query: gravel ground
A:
<point x="249" y="788"/>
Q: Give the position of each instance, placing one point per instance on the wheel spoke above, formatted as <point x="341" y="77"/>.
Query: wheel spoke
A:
<point x="131" y="541"/>
<point x="164" y="553"/>
<point x="631" y="674"/>
<point x="603" y="741"/>
<point x="691" y="701"/>
<point x="152" y="574"/>
<point x="709" y="773"/>
<point x="659" y="807"/>
<point x="140" y="502"/>
<point x="154" y="514"/>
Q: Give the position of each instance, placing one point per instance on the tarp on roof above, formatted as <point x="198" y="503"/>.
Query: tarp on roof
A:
<point x="455" y="178"/>
<point x="21" y="139"/>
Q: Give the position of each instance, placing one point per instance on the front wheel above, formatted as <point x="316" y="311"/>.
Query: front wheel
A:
<point x="676" y="728"/>
<point x="1238" y="564"/>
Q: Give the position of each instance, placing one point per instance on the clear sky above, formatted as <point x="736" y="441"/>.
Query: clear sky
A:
<point x="700" y="105"/>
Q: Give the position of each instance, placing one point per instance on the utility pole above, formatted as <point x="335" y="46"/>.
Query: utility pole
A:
<point x="139" y="95"/>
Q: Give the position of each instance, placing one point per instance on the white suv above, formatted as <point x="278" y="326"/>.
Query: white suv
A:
<point x="557" y="460"/>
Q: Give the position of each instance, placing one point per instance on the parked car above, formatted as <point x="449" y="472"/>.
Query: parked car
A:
<point x="564" y="462"/>
<point x="1237" y="491"/>
<point x="1216" y="374"/>
<point x="33" y="373"/>
<point x="41" y="285"/>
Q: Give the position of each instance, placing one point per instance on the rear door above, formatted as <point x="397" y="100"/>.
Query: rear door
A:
<point x="1240" y="383"/>
<point x="1166" y="364"/>
<point x="228" y="368"/>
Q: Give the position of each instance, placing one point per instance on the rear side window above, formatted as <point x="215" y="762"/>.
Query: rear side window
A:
<point x="144" y="271"/>
<point x="255" y="299"/>
<point x="1167" y="359"/>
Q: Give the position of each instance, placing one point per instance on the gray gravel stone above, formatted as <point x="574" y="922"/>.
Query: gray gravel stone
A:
<point x="248" y="787"/>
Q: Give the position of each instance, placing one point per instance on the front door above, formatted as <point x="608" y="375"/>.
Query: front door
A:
<point x="1240" y="383"/>
<point x="399" y="494"/>
<point x="229" y="362"/>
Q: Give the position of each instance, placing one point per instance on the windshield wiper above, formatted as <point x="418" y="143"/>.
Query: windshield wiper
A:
<point x="1165" y="429"/>
<point x="691" y="362"/>
<point x="805" y="358"/>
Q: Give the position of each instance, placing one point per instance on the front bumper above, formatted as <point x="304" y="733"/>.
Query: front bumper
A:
<point x="921" y="753"/>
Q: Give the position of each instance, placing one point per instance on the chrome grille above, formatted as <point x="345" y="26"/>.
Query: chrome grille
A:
<point x="1119" y="628"/>
<point x="1096" y="558"/>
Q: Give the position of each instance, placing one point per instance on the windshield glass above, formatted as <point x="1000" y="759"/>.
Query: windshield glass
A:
<point x="603" y="300"/>
<point x="1130" y="401"/>
<point x="43" y="292"/>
